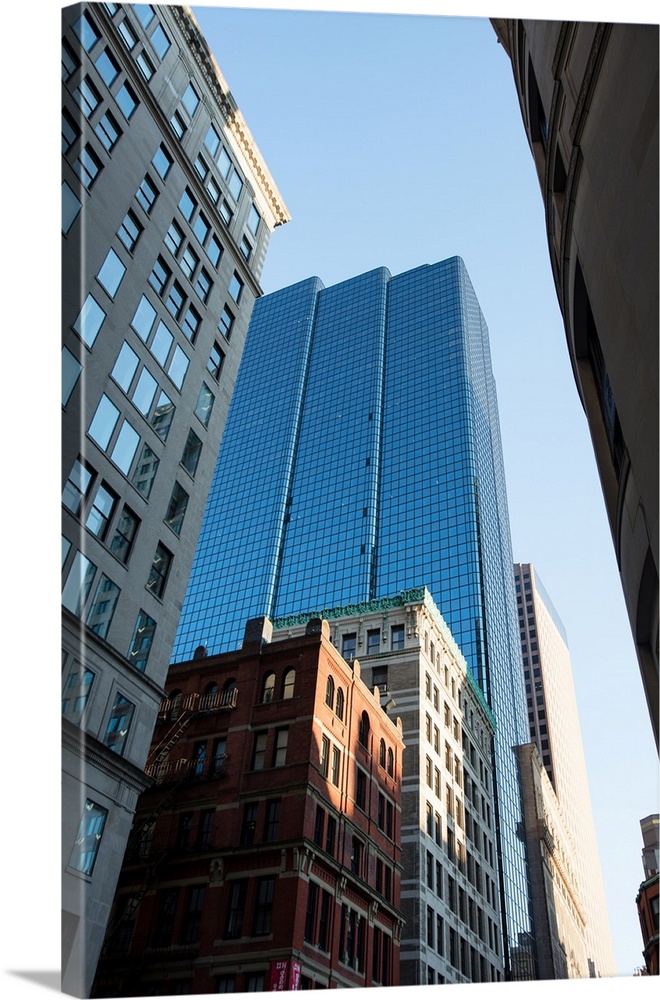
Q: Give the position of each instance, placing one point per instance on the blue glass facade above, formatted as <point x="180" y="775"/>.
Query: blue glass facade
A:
<point x="362" y="457"/>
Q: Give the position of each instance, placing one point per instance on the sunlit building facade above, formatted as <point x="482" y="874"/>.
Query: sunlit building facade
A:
<point x="449" y="883"/>
<point x="267" y="854"/>
<point x="167" y="212"/>
<point x="369" y="465"/>
<point x="554" y="727"/>
<point x="648" y="897"/>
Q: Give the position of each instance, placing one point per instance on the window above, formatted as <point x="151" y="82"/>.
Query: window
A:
<point x="212" y="141"/>
<point x="104" y="422"/>
<point x="176" y="510"/>
<point x="111" y="273"/>
<point x="87" y="166"/>
<point x="119" y="724"/>
<point x="70" y="62"/>
<point x="214" y="250"/>
<point x="324" y="756"/>
<point x="236" y="185"/>
<point x="390" y="762"/>
<point x="142" y="641"/>
<point x="397" y="637"/>
<point x="160" y="275"/>
<point x="357" y="856"/>
<point x="264" y="905"/>
<point x="348" y="644"/>
<point x="107" y="67"/>
<point x="144" y="392"/>
<point x="79" y="481"/>
<point x="76" y="692"/>
<point x="253" y="220"/>
<point x="87" y="32"/>
<point x="236" y="909"/>
<point x="330" y="692"/>
<point x="70" y="207"/>
<point x="226" y="322"/>
<point x="249" y="825"/>
<point x="145" y="65"/>
<point x="268" y="688"/>
<point x="191" y="453"/>
<point x="235" y="287"/>
<point x="271" y="828"/>
<point x="87" y="97"/>
<point x="360" y="788"/>
<point x="146" y="194"/>
<point x="281" y="742"/>
<point x="204" y="405"/>
<point x="101" y="511"/>
<point x="226" y="213"/>
<point x="160" y="568"/>
<point x="130" y="231"/>
<point x="125" y="367"/>
<point x="201" y="167"/>
<point x="189" y="262"/>
<point x="178" y="367"/>
<point x="339" y="704"/>
<point x="246" y="248"/>
<point x="128" y="35"/>
<point x="178" y="125"/>
<point x="319" y="823"/>
<point x="334" y="772"/>
<point x="71" y="369"/>
<point x="88" y="838"/>
<point x="70" y="131"/>
<point x="373" y="641"/>
<point x="124" y="536"/>
<point x="203" y="285"/>
<point x="187" y="205"/>
<point x="193" y="918"/>
<point x="175" y="299"/>
<point x="126" y="100"/>
<point x="363" y="730"/>
<point x="190" y="99"/>
<point x="191" y="324"/>
<point x="201" y="228"/>
<point x="289" y="683"/>
<point x="162" y="162"/>
<point x="259" y="751"/>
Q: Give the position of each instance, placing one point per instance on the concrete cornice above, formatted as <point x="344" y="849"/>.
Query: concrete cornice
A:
<point x="185" y="20"/>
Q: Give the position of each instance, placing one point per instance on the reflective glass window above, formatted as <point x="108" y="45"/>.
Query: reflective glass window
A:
<point x="89" y="321"/>
<point x="111" y="273"/>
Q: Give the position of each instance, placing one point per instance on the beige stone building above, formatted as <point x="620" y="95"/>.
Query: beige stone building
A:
<point x="589" y="100"/>
<point x="450" y="880"/>
<point x="564" y="800"/>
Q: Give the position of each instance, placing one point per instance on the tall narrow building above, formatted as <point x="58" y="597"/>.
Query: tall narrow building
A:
<point x="588" y="94"/>
<point x="361" y="458"/>
<point x="168" y="208"/>
<point x="554" y="727"/>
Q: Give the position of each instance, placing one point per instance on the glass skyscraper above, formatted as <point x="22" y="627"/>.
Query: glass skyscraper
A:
<point x="362" y="457"/>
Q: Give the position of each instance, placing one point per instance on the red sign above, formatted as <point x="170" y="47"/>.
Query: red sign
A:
<point x="284" y="976"/>
<point x="294" y="978"/>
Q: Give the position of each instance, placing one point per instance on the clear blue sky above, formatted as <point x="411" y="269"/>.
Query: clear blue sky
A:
<point x="397" y="141"/>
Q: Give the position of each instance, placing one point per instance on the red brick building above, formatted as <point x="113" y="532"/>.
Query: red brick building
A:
<point x="267" y="853"/>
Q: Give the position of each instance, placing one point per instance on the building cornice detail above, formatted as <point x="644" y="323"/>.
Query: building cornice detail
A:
<point x="231" y="114"/>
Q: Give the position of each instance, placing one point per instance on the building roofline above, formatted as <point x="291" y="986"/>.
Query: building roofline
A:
<point x="230" y="111"/>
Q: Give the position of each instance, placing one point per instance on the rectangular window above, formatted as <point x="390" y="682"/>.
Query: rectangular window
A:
<point x="103" y="422"/>
<point x="70" y="131"/>
<point x="236" y="909"/>
<point x="87" y="97"/>
<point x="204" y="405"/>
<point x="88" y="838"/>
<point x="76" y="692"/>
<point x="373" y="641"/>
<point x="159" y="571"/>
<point x="176" y="509"/>
<point x="78" y="583"/>
<point x="130" y="231"/>
<point x="259" y="751"/>
<point x="191" y="453"/>
<point x="397" y="637"/>
<point x="111" y="273"/>
<point x="360" y="788"/>
<point x="330" y="834"/>
<point x="101" y="511"/>
<point x="253" y="220"/>
<point x="142" y="641"/>
<point x="310" y="913"/>
<point x="189" y="261"/>
<point x="187" y="205"/>
<point x="191" y="324"/>
<point x="235" y="287"/>
<point x="162" y="162"/>
<point x="174" y="238"/>
<point x="216" y="358"/>
<point x="124" y="536"/>
<point x="87" y="166"/>
<point x="107" y="67"/>
<point x="348" y="645"/>
<point x="160" y="275"/>
<point x="126" y="100"/>
<point x="319" y="823"/>
<point x="226" y="322"/>
<point x="70" y="207"/>
<point x="77" y="485"/>
<point x="271" y="828"/>
<point x="334" y="771"/>
<point x="249" y="826"/>
<point x="264" y="905"/>
<point x="128" y="35"/>
<point x="281" y="742"/>
<point x="325" y="756"/>
<point x="119" y="724"/>
<point x="146" y="194"/>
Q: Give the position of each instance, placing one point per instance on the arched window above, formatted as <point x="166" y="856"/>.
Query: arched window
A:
<point x="211" y="688"/>
<point x="229" y="692"/>
<point x="381" y="758"/>
<point x="268" y="688"/>
<point x="390" y="762"/>
<point x="339" y="704"/>
<point x="363" y="732"/>
<point x="330" y="693"/>
<point x="288" y="683"/>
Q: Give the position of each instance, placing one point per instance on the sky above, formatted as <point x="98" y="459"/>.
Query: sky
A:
<point x="394" y="140"/>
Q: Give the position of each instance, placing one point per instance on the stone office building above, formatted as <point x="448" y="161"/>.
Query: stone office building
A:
<point x="168" y="208"/>
<point x="450" y="881"/>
